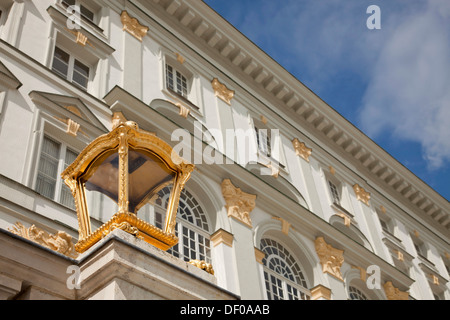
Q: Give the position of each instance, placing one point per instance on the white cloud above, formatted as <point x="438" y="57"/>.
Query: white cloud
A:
<point x="404" y="68"/>
<point x="409" y="91"/>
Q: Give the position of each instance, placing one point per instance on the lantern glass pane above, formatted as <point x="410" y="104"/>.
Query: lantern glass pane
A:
<point x="102" y="187"/>
<point x="148" y="174"/>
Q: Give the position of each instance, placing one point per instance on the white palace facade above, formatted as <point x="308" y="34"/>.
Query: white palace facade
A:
<point x="288" y="200"/>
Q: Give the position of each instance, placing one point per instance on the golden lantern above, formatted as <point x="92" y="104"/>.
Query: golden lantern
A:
<point x="128" y="167"/>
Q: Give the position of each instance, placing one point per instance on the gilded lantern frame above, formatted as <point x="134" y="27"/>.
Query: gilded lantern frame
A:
<point x="119" y="140"/>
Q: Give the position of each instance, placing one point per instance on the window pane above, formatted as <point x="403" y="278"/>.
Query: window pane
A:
<point x="334" y="192"/>
<point x="69" y="2"/>
<point x="283" y="277"/>
<point x="60" y="62"/>
<point x="80" y="74"/>
<point x="86" y="13"/>
<point x="66" y="197"/>
<point x="169" y="77"/>
<point x="181" y="85"/>
<point x="48" y="168"/>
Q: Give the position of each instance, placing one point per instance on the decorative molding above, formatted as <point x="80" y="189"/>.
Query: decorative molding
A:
<point x="330" y="258"/>
<point x="60" y="242"/>
<point x="264" y="119"/>
<point x="361" y="194"/>
<point x="301" y="149"/>
<point x="400" y="256"/>
<point x="222" y="236"/>
<point x="222" y="92"/>
<point x="184" y="111"/>
<point x="285" y="226"/>
<point x="180" y="58"/>
<point x="274" y="167"/>
<point x="80" y="38"/>
<point x="72" y="127"/>
<point x="207" y="267"/>
<point x="259" y="255"/>
<point x="320" y="292"/>
<point x="347" y="219"/>
<point x="117" y="119"/>
<point x="133" y="27"/>
<point x="332" y="170"/>
<point x="434" y="279"/>
<point x="393" y="293"/>
<point x="238" y="203"/>
<point x="362" y="273"/>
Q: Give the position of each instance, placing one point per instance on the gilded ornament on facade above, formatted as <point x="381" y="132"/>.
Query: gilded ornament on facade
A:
<point x="80" y="38"/>
<point x="362" y="273"/>
<point x="393" y="293"/>
<point x="259" y="256"/>
<point x="72" y="127"/>
<point x="222" y="236"/>
<point x="347" y="220"/>
<point x="332" y="170"/>
<point x="133" y="27"/>
<point x="238" y="203"/>
<point x="320" y="292"/>
<point x="361" y="194"/>
<point x="60" y="242"/>
<point x="330" y="258"/>
<point x="434" y="279"/>
<point x="274" y="168"/>
<point x="221" y="91"/>
<point x="301" y="149"/>
<point x="203" y="265"/>
<point x="184" y="112"/>
<point x="180" y="58"/>
<point x="285" y="226"/>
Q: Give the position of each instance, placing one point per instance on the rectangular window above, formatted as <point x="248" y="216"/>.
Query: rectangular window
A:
<point x="80" y="74"/>
<point x="84" y="11"/>
<point x="384" y="226"/>
<point x="48" y="168"/>
<point x="61" y="62"/>
<point x="70" y="68"/>
<point x="176" y="81"/>
<point x="54" y="158"/>
<point x="334" y="193"/>
<point x="264" y="141"/>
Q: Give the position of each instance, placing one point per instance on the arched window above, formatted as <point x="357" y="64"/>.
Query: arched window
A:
<point x="283" y="276"/>
<point x="356" y="294"/>
<point x="192" y="227"/>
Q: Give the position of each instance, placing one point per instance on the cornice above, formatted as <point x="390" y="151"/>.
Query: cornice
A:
<point x="205" y="25"/>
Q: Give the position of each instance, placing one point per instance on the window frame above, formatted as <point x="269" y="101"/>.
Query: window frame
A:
<point x="283" y="283"/>
<point x="263" y="140"/>
<point x="73" y="59"/>
<point x="334" y="191"/>
<point x="267" y="153"/>
<point x="61" y="160"/>
<point x="353" y="290"/>
<point x="201" y="250"/>
<point x="94" y="22"/>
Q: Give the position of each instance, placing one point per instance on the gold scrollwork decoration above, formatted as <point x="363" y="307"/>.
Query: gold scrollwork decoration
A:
<point x="203" y="265"/>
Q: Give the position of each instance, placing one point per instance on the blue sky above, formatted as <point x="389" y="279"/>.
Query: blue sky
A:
<point x="392" y="83"/>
